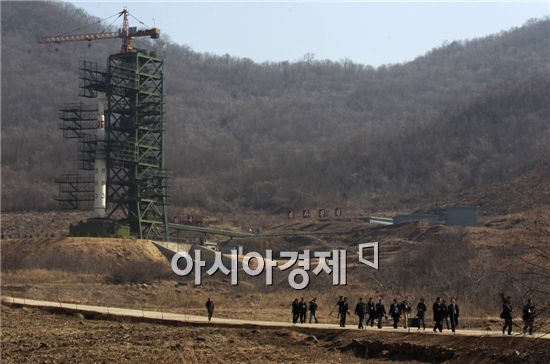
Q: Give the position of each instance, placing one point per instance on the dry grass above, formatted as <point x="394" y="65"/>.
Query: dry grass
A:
<point x="39" y="276"/>
<point x="471" y="264"/>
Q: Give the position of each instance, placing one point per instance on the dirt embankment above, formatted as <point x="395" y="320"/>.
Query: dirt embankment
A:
<point x="119" y="259"/>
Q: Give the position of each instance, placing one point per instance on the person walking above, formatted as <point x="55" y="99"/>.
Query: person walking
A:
<point x="380" y="312"/>
<point x="361" y="311"/>
<point x="302" y="310"/>
<point x="337" y="306"/>
<point x="506" y="313"/>
<point x="209" y="308"/>
<point x="295" y="310"/>
<point x="344" y="311"/>
<point x="395" y="312"/>
<point x="371" y="310"/>
<point x="313" y="310"/>
<point x="529" y="317"/>
<point x="421" y="313"/>
<point x="446" y="314"/>
<point x="406" y="310"/>
<point x="453" y="313"/>
<point x="439" y="314"/>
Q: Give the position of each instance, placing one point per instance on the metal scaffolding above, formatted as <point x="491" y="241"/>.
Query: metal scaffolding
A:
<point x="137" y="179"/>
<point x="76" y="120"/>
<point x="91" y="79"/>
<point x="75" y="191"/>
<point x="87" y="146"/>
<point x="133" y="84"/>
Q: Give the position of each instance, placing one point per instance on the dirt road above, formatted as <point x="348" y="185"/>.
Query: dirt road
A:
<point x="195" y="319"/>
<point x="50" y="332"/>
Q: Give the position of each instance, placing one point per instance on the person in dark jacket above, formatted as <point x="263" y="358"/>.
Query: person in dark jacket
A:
<point x="446" y="314"/>
<point x="344" y="311"/>
<point x="421" y="313"/>
<point x="380" y="312"/>
<point x="313" y="310"/>
<point x="338" y="305"/>
<point x="395" y="312"/>
<point x="209" y="308"/>
<point x="453" y="312"/>
<point x="371" y="310"/>
<point x="506" y="313"/>
<point x="529" y="317"/>
<point x="405" y="310"/>
<point x="439" y="314"/>
<point x="302" y="305"/>
<point x="361" y="311"/>
<point x="295" y="310"/>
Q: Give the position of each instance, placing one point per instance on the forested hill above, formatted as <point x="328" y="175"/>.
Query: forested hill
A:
<point x="277" y="135"/>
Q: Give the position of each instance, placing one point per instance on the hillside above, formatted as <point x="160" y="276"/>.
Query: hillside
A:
<point x="277" y="135"/>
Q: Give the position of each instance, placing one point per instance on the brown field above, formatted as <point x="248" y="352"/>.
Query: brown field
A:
<point x="417" y="260"/>
<point x="63" y="337"/>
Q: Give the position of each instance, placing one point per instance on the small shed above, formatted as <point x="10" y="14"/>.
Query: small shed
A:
<point x="461" y="216"/>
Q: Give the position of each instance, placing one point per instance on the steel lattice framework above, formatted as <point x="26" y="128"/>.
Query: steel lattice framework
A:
<point x="75" y="191"/>
<point x="136" y="177"/>
<point x="133" y="85"/>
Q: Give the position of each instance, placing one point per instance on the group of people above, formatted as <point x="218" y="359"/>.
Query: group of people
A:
<point x="300" y="309"/>
<point x="443" y="313"/>
<point x="528" y="315"/>
<point x="370" y="312"/>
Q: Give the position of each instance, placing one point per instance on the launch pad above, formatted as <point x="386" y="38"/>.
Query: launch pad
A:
<point x="100" y="228"/>
<point x="121" y="140"/>
<point x="126" y="151"/>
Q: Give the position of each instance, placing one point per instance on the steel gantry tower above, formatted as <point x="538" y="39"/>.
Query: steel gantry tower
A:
<point x="135" y="119"/>
<point x="126" y="151"/>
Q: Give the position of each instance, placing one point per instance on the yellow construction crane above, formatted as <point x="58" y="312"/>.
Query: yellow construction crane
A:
<point x="126" y="34"/>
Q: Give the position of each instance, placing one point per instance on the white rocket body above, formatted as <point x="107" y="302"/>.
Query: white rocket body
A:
<point x="100" y="176"/>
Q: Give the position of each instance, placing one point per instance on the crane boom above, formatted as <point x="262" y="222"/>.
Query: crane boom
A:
<point x="126" y="33"/>
<point x="153" y="33"/>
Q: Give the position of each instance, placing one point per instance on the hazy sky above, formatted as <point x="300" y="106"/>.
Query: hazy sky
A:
<point x="366" y="32"/>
